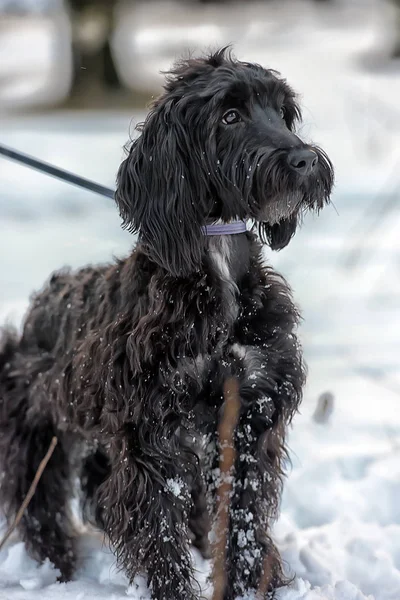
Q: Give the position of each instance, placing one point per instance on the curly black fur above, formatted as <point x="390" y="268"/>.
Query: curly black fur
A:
<point x="125" y="363"/>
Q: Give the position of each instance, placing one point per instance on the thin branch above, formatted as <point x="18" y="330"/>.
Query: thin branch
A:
<point x="31" y="491"/>
<point x="266" y="577"/>
<point x="227" y="463"/>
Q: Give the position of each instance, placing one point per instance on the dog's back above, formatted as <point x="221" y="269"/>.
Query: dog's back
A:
<point x="63" y="315"/>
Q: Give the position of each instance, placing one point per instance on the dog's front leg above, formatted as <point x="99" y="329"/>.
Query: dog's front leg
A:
<point x="267" y="401"/>
<point x="252" y="555"/>
<point x="147" y="499"/>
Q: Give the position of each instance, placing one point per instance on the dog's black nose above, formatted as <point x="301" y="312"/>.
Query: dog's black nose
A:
<point x="302" y="160"/>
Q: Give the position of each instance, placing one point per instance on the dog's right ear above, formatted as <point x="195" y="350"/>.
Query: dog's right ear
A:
<point x="160" y="192"/>
<point x="278" y="235"/>
<point x="130" y="207"/>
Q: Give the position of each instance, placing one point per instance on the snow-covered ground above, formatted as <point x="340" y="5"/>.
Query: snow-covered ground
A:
<point x="339" y="531"/>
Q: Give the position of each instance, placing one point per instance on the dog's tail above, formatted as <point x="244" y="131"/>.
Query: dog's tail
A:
<point x="8" y="353"/>
<point x="20" y="431"/>
<point x="17" y="428"/>
<point x="26" y="432"/>
<point x="9" y="343"/>
<point x="8" y="347"/>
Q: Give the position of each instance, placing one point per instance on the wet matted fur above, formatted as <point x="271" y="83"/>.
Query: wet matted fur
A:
<point x="125" y="363"/>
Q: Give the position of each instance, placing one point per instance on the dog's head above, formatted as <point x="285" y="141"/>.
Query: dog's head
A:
<point x="220" y="143"/>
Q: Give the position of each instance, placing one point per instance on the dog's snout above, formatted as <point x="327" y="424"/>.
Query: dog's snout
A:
<point x="302" y="160"/>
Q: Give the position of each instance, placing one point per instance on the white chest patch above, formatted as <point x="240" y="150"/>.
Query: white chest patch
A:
<point x="220" y="252"/>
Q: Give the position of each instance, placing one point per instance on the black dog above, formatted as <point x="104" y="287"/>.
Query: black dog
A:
<point x="125" y="363"/>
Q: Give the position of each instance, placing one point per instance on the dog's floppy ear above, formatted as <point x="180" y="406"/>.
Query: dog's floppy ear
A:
<point x="278" y="235"/>
<point x="159" y="195"/>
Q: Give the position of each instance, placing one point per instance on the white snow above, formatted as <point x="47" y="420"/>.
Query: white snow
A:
<point x="339" y="530"/>
<point x="18" y="568"/>
<point x="175" y="486"/>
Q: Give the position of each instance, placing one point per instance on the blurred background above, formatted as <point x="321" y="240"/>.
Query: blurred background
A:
<point x="75" y="77"/>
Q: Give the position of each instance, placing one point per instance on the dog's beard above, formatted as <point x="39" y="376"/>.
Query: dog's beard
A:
<point x="280" y="207"/>
<point x="279" y="192"/>
<point x="270" y="190"/>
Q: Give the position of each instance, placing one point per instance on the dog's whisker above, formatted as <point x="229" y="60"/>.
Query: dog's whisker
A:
<point x="334" y="207"/>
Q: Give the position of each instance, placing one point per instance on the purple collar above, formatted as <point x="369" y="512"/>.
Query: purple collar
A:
<point x="224" y="228"/>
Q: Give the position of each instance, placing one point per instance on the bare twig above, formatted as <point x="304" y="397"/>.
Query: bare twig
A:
<point x="324" y="409"/>
<point x="266" y="577"/>
<point x="31" y="491"/>
<point x="227" y="462"/>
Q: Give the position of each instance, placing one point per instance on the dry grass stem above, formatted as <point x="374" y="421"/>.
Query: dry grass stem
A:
<point x="226" y="432"/>
<point x="31" y="492"/>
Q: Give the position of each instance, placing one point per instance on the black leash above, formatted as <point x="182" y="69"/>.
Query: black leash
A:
<point x="43" y="167"/>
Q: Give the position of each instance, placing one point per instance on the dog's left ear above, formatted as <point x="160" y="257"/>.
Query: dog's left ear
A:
<point x="161" y="195"/>
<point x="278" y="235"/>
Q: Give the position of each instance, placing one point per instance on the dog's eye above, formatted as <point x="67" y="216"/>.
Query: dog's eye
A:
<point x="282" y="112"/>
<point x="230" y="117"/>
